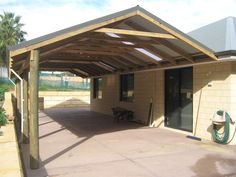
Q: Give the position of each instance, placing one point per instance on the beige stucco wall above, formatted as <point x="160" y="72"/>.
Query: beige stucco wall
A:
<point x="214" y="87"/>
<point x="147" y="86"/>
<point x="211" y="84"/>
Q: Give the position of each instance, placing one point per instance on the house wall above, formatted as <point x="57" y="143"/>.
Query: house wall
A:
<point x="211" y="85"/>
<point x="214" y="87"/>
<point x="147" y="86"/>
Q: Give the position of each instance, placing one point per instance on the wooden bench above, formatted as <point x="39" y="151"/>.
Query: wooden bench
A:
<point x="122" y="114"/>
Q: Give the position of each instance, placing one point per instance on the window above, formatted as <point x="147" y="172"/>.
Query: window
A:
<point x="97" y="88"/>
<point x="127" y="87"/>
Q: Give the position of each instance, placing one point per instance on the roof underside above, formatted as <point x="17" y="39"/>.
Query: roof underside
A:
<point x="126" y="41"/>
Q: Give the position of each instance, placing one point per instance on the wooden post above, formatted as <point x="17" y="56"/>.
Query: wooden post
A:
<point x="18" y="108"/>
<point x="34" y="132"/>
<point x="25" y="109"/>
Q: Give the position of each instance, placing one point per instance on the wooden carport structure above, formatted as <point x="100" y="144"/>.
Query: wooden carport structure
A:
<point x="128" y="41"/>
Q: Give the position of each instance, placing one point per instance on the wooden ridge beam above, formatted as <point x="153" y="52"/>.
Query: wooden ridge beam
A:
<point x="135" y="33"/>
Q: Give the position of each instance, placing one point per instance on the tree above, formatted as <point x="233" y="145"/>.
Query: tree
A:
<point x="10" y="33"/>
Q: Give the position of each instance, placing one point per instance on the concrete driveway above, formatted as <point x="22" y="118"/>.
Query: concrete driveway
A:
<point x="80" y="143"/>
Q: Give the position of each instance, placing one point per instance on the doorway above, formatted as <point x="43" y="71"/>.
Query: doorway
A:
<point x="179" y="98"/>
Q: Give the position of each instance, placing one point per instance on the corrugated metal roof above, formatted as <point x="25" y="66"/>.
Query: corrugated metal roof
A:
<point x="84" y="48"/>
<point x="99" y="20"/>
<point x="219" y="36"/>
<point x="73" y="28"/>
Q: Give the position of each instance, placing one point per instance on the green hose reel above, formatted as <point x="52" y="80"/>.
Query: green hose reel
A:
<point x="220" y="119"/>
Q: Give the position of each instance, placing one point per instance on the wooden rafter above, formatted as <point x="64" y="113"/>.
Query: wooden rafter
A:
<point x="71" y="34"/>
<point x="134" y="60"/>
<point x="119" y="40"/>
<point x="115" y="61"/>
<point x="67" y="61"/>
<point x="99" y="64"/>
<point x="77" y="73"/>
<point x="158" y="53"/>
<point x="164" y="42"/>
<point x="161" y="54"/>
<point x="86" y="52"/>
<point x="81" y="72"/>
<point x="99" y="48"/>
<point x="177" y="35"/>
<point x="135" y="33"/>
<point x="52" y="51"/>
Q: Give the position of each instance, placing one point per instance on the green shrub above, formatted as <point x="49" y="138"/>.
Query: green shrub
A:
<point x="5" y="87"/>
<point x="3" y="117"/>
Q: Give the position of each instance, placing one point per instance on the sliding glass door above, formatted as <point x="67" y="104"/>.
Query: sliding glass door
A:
<point x="178" y="98"/>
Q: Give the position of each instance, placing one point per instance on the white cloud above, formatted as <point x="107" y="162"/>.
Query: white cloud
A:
<point x="42" y="17"/>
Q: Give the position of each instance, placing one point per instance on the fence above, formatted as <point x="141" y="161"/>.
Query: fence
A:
<point x="63" y="83"/>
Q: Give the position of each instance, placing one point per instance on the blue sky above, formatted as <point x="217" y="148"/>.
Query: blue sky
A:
<point x="44" y="16"/>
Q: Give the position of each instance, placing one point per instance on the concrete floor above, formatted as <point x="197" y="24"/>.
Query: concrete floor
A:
<point x="77" y="142"/>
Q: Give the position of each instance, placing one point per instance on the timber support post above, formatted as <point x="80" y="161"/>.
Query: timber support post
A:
<point x="25" y="109"/>
<point x="34" y="131"/>
<point x="18" y="108"/>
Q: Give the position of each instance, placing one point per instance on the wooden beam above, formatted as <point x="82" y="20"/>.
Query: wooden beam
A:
<point x="67" y="61"/>
<point x="82" y="72"/>
<point x="34" y="127"/>
<point x="126" y="61"/>
<point x="178" y="36"/>
<point x="52" y="51"/>
<point x="116" y="62"/>
<point x="100" y="64"/>
<point x="18" y="107"/>
<point x="25" y="109"/>
<point x="78" y="73"/>
<point x="109" y="39"/>
<point x="71" y="34"/>
<point x="146" y="57"/>
<point x="164" y="42"/>
<point x="161" y="54"/>
<point x="99" y="47"/>
<point x="135" y="33"/>
<point x="135" y="60"/>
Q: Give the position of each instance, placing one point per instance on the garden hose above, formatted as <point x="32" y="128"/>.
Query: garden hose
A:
<point x="232" y="136"/>
<point x="222" y="138"/>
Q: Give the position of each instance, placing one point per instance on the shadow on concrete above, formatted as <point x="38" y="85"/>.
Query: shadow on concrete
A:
<point x="83" y="123"/>
<point x="46" y="161"/>
<point x="217" y="166"/>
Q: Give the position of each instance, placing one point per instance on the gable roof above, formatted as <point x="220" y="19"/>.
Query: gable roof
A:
<point x="219" y="36"/>
<point x="100" y="20"/>
<point x="144" y="42"/>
